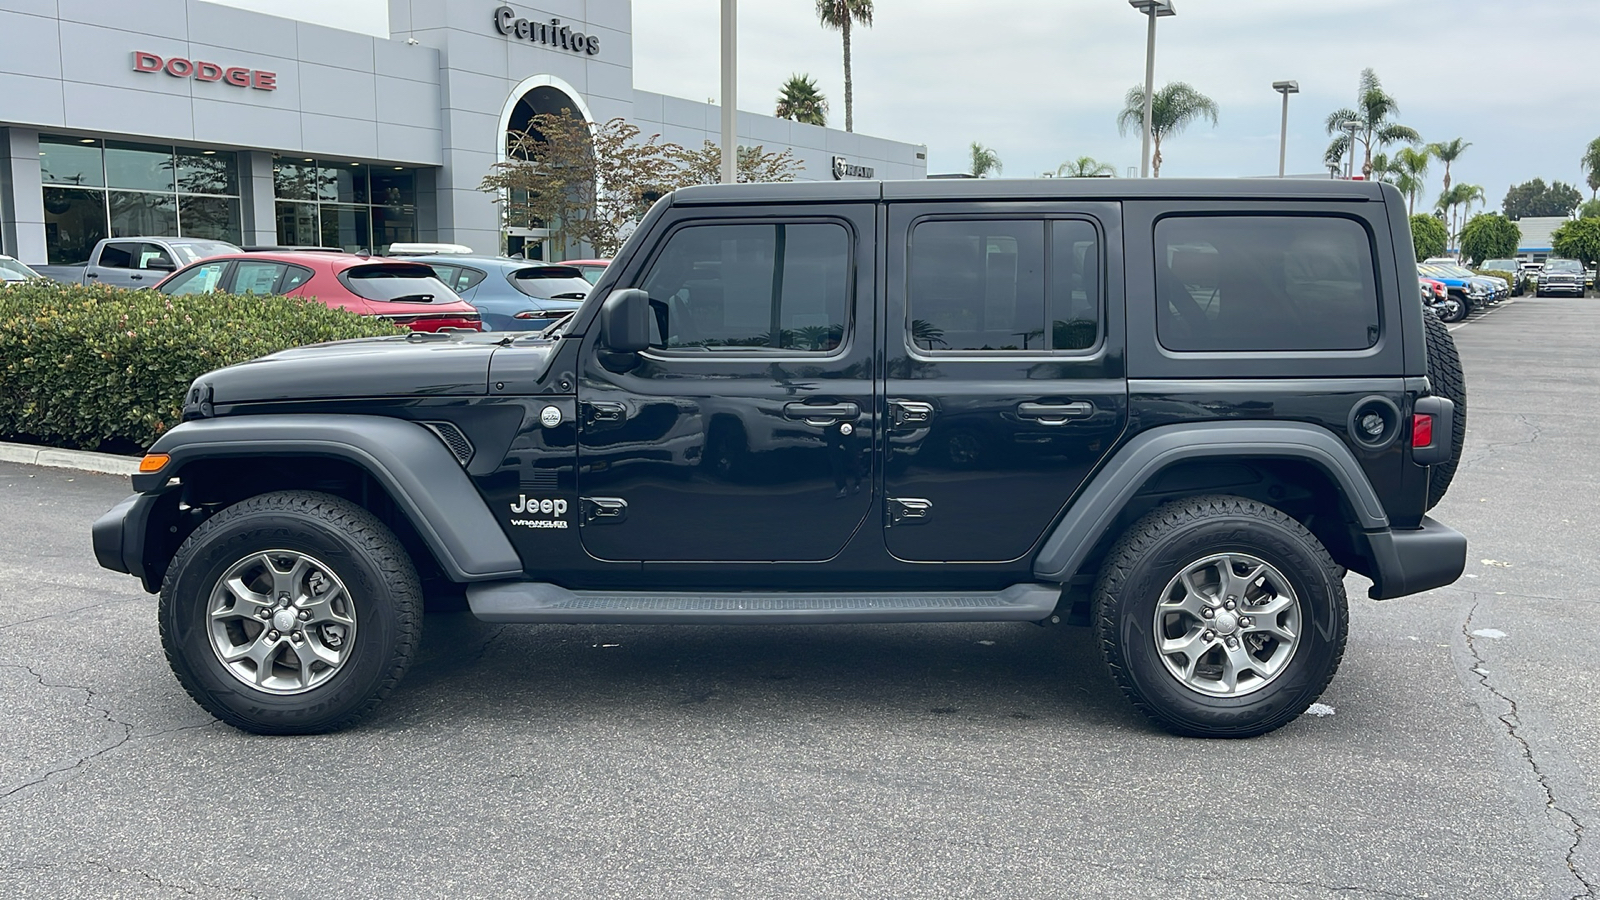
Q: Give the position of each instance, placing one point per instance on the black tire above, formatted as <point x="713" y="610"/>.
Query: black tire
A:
<point x="351" y="549"/>
<point x="1449" y="381"/>
<point x="1170" y="539"/>
<point x="1454" y="309"/>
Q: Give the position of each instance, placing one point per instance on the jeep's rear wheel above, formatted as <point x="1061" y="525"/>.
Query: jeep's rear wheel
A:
<point x="290" y="613"/>
<point x="1220" y="617"/>
<point x="1447" y="379"/>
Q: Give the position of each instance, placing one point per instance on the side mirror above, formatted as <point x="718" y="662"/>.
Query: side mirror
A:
<point x="625" y="321"/>
<point x="160" y="265"/>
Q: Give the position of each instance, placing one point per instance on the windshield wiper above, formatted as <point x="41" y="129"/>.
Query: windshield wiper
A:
<point x="412" y="298"/>
<point x="570" y="295"/>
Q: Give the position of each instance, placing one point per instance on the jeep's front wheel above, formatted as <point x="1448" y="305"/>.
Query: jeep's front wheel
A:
<point x="1220" y="617"/>
<point x="290" y="613"/>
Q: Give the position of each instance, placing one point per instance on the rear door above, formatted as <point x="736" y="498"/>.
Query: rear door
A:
<point x="117" y="264"/>
<point x="1005" y="379"/>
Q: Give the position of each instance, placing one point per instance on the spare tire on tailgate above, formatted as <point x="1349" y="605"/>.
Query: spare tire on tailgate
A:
<point x="1444" y="373"/>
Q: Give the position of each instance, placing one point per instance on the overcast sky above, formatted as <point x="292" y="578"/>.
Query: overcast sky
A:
<point x="1042" y="81"/>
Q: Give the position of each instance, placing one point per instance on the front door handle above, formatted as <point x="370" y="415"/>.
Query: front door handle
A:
<point x="910" y="412"/>
<point x="821" y="413"/>
<point x="1055" y="413"/>
<point x="606" y="411"/>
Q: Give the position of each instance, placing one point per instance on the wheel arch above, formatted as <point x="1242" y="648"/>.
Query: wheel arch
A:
<point x="386" y="465"/>
<point x="1188" y="459"/>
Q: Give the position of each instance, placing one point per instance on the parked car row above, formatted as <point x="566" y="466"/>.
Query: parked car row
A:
<point x="1465" y="291"/>
<point x="430" y="287"/>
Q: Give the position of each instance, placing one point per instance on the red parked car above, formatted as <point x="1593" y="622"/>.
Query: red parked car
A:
<point x="591" y="268"/>
<point x="405" y="293"/>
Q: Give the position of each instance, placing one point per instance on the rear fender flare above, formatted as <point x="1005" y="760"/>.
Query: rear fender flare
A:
<point x="426" y="482"/>
<point x="1147" y="455"/>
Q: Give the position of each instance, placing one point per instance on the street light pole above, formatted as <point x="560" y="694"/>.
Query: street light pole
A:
<point x="730" y="90"/>
<point x="1154" y="9"/>
<point x="1351" y="127"/>
<point x="1285" y="88"/>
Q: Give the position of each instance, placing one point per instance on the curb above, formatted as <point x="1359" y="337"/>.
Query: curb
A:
<point x="81" y="460"/>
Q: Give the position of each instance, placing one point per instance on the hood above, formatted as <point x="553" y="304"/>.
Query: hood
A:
<point x="433" y="365"/>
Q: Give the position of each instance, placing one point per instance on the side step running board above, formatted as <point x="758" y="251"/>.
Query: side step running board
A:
<point x="529" y="602"/>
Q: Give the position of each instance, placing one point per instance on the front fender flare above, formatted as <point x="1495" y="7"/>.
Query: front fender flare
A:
<point x="426" y="482"/>
<point x="1145" y="456"/>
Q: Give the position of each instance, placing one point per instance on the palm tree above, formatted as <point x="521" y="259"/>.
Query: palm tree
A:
<point x="1591" y="167"/>
<point x="800" y="101"/>
<point x="1374" y="110"/>
<point x="1085" y="167"/>
<point x="1463" y="195"/>
<point x="984" y="161"/>
<point x="1448" y="152"/>
<point x="1413" y="167"/>
<point x="840" y="14"/>
<point x="1172" y="108"/>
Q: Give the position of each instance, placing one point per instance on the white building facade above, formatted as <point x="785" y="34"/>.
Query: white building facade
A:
<point x="169" y="117"/>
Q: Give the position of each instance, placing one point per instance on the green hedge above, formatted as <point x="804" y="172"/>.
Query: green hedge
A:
<point x="103" y="368"/>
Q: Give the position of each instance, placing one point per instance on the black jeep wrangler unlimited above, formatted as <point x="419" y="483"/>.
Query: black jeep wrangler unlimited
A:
<point x="1180" y="408"/>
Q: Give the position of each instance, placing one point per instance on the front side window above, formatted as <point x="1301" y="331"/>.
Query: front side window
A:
<point x="198" y="280"/>
<point x="1264" y="283"/>
<point x="1004" y="285"/>
<point x="782" y="286"/>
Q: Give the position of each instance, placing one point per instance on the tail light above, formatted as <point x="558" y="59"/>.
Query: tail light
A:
<point x="440" y="321"/>
<point x="1421" y="430"/>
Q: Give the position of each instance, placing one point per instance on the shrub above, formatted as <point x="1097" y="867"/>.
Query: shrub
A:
<point x="1428" y="236"/>
<point x="103" y="368"/>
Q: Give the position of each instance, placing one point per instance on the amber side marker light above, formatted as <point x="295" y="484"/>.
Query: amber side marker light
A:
<point x="153" y="462"/>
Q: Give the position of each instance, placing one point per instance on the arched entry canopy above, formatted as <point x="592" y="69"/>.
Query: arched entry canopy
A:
<point x="538" y="95"/>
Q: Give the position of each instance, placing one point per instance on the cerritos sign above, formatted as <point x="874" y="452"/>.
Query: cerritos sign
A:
<point x="178" y="67"/>
<point x="551" y="33"/>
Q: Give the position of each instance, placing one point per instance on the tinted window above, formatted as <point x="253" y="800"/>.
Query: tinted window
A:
<point x="777" y="286"/>
<point x="257" y="277"/>
<point x="198" y="280"/>
<point x="551" y="283"/>
<point x="992" y="285"/>
<point x="409" y="284"/>
<point x="1252" y="283"/>
<point x="119" y="255"/>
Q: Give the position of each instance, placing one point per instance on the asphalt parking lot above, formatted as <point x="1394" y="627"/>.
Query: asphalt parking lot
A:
<point x="1457" y="753"/>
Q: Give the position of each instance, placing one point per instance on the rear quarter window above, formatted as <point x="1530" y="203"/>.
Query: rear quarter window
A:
<point x="1265" y="283"/>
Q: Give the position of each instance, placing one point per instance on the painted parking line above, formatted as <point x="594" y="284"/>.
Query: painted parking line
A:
<point x="1483" y="315"/>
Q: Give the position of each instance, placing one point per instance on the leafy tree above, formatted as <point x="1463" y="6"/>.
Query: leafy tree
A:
<point x="800" y="101"/>
<point x="1578" y="240"/>
<point x="1085" y="167"/>
<point x="1428" y="236"/>
<point x="1172" y="108"/>
<point x="1591" y="167"/>
<point x="1489" y="236"/>
<point x="1535" y="198"/>
<point x="1447" y="153"/>
<point x="841" y="15"/>
<point x="1589" y="210"/>
<point x="1375" y="110"/>
<point x="984" y="161"/>
<point x="756" y="164"/>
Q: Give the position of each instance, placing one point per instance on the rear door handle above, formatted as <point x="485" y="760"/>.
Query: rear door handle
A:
<point x="1055" y="413"/>
<point x="821" y="413"/>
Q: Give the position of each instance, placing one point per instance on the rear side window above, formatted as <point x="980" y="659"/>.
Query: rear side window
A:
<point x="1017" y="285"/>
<point x="119" y="256"/>
<point x="400" y="284"/>
<point x="783" y="286"/>
<point x="1264" y="283"/>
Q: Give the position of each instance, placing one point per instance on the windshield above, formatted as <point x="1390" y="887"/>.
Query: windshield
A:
<point x="551" y="283"/>
<point x="193" y="251"/>
<point x="398" y="283"/>
<point x="1564" y="266"/>
<point x="1500" y="265"/>
<point x="11" y="270"/>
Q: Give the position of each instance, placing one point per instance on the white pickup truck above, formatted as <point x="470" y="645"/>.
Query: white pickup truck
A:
<point x="136" y="262"/>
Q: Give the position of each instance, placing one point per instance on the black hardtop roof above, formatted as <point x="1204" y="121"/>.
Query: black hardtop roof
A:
<point x="958" y="189"/>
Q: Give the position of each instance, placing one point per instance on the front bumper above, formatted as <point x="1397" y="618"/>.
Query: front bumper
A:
<point x="1413" y="560"/>
<point x="119" y="537"/>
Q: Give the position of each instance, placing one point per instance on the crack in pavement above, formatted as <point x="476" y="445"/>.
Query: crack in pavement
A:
<point x="1335" y="888"/>
<point x="1493" y="447"/>
<point x="1513" y="723"/>
<point x="66" y="612"/>
<point x="161" y="882"/>
<point x="105" y="713"/>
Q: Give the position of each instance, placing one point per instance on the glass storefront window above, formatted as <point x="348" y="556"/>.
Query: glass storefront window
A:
<point x="216" y="218"/>
<point x="74" y="221"/>
<point x="295" y="180"/>
<point x="393" y="225"/>
<point x="64" y="160"/>
<point x="346" y="227"/>
<point x="137" y="214"/>
<point x="208" y="172"/>
<point x="342" y="182"/>
<point x="138" y="167"/>
<point x="394" y="187"/>
<point x="297" y="225"/>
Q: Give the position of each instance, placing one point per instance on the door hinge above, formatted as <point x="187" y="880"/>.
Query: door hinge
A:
<point x="909" y="510"/>
<point x="603" y="510"/>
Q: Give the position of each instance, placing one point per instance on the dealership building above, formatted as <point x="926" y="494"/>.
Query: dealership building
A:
<point x="184" y="117"/>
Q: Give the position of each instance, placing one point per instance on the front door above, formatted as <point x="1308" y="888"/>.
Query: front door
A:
<point x="1005" y="379"/>
<point x="744" y="433"/>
